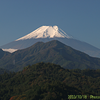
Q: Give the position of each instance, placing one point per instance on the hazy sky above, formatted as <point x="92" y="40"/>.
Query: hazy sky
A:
<point x="79" y="18"/>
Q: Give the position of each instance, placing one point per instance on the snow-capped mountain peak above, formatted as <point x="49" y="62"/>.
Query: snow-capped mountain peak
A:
<point x="46" y="32"/>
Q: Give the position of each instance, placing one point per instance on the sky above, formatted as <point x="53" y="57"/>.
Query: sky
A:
<point x="78" y="18"/>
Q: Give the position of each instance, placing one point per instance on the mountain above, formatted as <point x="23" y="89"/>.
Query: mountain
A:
<point x="40" y="34"/>
<point x="52" y="51"/>
<point x="3" y="53"/>
<point x="47" y="81"/>
<point x="48" y="33"/>
<point x="2" y="71"/>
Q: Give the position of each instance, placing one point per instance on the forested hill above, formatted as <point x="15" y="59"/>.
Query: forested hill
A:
<point x="53" y="52"/>
<point x="47" y="81"/>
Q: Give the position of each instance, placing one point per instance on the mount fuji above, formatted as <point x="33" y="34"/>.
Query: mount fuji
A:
<point x="45" y="32"/>
<point x="48" y="33"/>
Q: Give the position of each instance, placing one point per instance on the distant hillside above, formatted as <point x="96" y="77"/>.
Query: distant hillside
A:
<point x="47" y="81"/>
<point x="54" y="52"/>
<point x="2" y="71"/>
<point x="3" y="53"/>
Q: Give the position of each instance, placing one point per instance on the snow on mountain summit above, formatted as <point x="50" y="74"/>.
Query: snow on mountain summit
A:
<point x="45" y="32"/>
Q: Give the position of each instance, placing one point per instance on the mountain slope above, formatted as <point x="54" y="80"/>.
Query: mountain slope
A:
<point x="54" y="52"/>
<point x="48" y="33"/>
<point x="45" y="32"/>
<point x="47" y="81"/>
<point x="2" y="71"/>
<point x="3" y="53"/>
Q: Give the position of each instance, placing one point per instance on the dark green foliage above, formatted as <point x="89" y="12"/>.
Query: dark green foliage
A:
<point x="47" y="81"/>
<point x="53" y="52"/>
